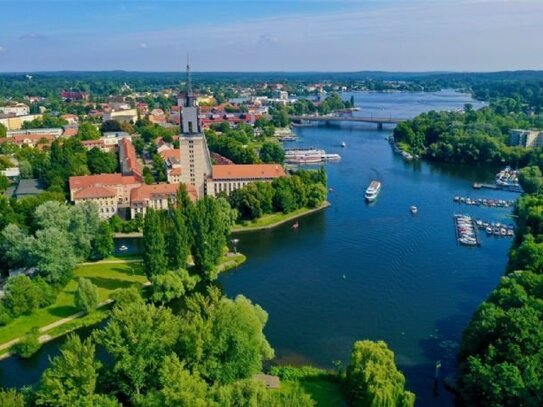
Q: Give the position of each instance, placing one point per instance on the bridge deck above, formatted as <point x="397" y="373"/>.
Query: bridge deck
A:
<point x="378" y="120"/>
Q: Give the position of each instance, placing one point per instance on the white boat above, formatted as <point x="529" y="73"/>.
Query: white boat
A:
<point x="343" y="144"/>
<point x="123" y="248"/>
<point x="372" y="191"/>
<point x="414" y="210"/>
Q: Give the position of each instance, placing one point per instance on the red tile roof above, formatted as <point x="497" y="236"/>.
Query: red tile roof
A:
<point x="95" y="192"/>
<point x="147" y="192"/>
<point x="70" y="132"/>
<point x="175" y="154"/>
<point x="85" y="181"/>
<point x="247" y="171"/>
<point x="129" y="163"/>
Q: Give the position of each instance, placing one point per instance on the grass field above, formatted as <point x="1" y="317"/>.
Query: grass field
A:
<point x="324" y="392"/>
<point x="276" y="219"/>
<point x="107" y="277"/>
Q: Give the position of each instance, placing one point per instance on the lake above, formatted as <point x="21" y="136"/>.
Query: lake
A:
<point x="357" y="271"/>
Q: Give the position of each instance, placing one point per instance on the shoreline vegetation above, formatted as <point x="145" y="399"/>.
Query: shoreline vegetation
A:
<point x="71" y="322"/>
<point x="274" y="220"/>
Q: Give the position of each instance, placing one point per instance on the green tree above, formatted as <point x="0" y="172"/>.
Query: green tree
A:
<point x="223" y="339"/>
<point x="272" y="153"/>
<point x="373" y="379"/>
<point x="154" y="259"/>
<point x="72" y="375"/>
<point x="22" y="296"/>
<point x="86" y="295"/>
<point x="102" y="245"/>
<point x="317" y="195"/>
<point x="531" y="179"/>
<point x="178" y="238"/>
<point x="10" y="397"/>
<point x="54" y="256"/>
<point x="101" y="162"/>
<point x="29" y="344"/>
<point x="3" y="131"/>
<point x="177" y="387"/>
<point x="209" y="237"/>
<point x="138" y="337"/>
<point x="171" y="285"/>
<point x="88" y="131"/>
<point x="110" y="125"/>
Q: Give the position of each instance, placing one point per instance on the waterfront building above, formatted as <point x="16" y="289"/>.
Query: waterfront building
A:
<point x="195" y="159"/>
<point x="526" y="138"/>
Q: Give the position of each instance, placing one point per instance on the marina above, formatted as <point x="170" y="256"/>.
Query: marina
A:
<point x="466" y="230"/>
<point x="496" y="229"/>
<point x="485" y="202"/>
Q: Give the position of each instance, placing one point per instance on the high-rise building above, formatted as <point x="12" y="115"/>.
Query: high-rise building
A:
<point x="195" y="160"/>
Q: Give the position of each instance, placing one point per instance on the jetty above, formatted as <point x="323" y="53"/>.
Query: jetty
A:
<point x="466" y="230"/>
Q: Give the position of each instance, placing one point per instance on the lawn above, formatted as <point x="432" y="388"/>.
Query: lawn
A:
<point x="324" y="392"/>
<point x="107" y="277"/>
<point x="275" y="219"/>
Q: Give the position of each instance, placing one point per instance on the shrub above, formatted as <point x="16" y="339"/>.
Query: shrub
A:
<point x="28" y="345"/>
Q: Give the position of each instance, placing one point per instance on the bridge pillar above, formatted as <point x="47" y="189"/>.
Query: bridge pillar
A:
<point x="380" y="126"/>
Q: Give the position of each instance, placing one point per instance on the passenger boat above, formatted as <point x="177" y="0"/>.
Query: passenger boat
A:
<point x="372" y="191"/>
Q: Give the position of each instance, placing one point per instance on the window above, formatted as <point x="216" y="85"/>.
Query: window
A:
<point x="190" y="127"/>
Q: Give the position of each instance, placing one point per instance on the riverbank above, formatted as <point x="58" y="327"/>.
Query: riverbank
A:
<point x="107" y="275"/>
<point x="276" y="219"/>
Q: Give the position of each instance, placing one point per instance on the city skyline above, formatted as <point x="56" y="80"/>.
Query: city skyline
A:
<point x="389" y="35"/>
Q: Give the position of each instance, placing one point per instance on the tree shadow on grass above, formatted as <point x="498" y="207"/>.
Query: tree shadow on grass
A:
<point x="110" y="283"/>
<point x="62" y="311"/>
<point x="129" y="270"/>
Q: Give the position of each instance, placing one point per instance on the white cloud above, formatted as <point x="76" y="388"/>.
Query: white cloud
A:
<point x="144" y="45"/>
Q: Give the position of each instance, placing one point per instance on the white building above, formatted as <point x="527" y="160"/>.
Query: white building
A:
<point x="526" y="138"/>
<point x="16" y="109"/>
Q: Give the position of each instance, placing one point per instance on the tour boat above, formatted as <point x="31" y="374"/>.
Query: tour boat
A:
<point x="414" y="210"/>
<point x="372" y="191"/>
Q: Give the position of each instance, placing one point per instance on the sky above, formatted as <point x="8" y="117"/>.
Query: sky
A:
<point x="271" y="35"/>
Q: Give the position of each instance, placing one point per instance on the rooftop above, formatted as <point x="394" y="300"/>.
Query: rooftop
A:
<point x="247" y="171"/>
<point x="95" y="192"/>
<point x="147" y="192"/>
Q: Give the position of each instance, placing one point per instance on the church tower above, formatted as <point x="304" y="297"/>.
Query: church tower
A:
<point x="195" y="159"/>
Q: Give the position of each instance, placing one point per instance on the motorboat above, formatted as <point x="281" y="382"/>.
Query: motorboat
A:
<point x="414" y="210"/>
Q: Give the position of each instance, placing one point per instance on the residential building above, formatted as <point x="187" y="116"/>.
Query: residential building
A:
<point x="56" y="132"/>
<point x="128" y="159"/>
<point x="70" y="118"/>
<point x="104" y="198"/>
<point x="15" y="109"/>
<point x="126" y="115"/>
<point x="157" y="196"/>
<point x="28" y="187"/>
<point x="68" y="95"/>
<point x="32" y="140"/>
<point x="16" y="122"/>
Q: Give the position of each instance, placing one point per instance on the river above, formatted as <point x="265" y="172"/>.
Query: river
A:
<point x="357" y="271"/>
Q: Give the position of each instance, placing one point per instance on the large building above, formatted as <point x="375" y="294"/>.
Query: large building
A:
<point x="195" y="160"/>
<point x="526" y="138"/>
<point x="157" y="196"/>
<point x="15" y="109"/>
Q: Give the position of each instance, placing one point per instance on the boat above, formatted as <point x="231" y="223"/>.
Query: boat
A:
<point x="295" y="226"/>
<point x="510" y="232"/>
<point x="503" y="231"/>
<point x="123" y="248"/>
<point x="343" y="144"/>
<point x="372" y="191"/>
<point x="488" y="230"/>
<point x="414" y="210"/>
<point x="467" y="241"/>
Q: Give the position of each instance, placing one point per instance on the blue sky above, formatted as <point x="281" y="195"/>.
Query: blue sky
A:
<point x="266" y="35"/>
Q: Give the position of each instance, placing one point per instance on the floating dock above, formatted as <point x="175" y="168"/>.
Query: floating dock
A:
<point x="466" y="231"/>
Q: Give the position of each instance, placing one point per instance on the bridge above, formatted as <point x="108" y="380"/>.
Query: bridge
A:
<point x="380" y="121"/>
